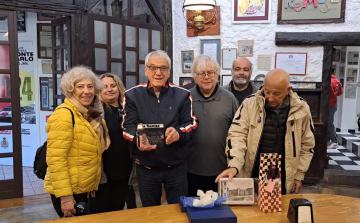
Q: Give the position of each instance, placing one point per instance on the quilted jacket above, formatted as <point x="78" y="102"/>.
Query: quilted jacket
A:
<point x="246" y="130"/>
<point x="73" y="153"/>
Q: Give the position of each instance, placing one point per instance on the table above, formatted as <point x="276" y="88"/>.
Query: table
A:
<point x="327" y="208"/>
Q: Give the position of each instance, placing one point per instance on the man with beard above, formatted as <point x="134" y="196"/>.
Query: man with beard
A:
<point x="240" y="85"/>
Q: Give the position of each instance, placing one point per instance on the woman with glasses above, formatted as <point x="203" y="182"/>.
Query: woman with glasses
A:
<point x="214" y="107"/>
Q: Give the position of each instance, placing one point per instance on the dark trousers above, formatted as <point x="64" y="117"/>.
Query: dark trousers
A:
<point x="77" y="197"/>
<point x="151" y="181"/>
<point x="203" y="183"/>
<point x="331" y="127"/>
<point x="110" y="196"/>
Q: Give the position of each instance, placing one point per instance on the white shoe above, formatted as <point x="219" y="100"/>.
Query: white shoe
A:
<point x="333" y="145"/>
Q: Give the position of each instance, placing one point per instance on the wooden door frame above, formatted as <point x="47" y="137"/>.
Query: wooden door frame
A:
<point x="13" y="187"/>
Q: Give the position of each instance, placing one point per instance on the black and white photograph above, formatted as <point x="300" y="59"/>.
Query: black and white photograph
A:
<point x="238" y="191"/>
<point x="187" y="58"/>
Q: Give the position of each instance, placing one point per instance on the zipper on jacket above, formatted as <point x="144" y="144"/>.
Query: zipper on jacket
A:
<point x="293" y="141"/>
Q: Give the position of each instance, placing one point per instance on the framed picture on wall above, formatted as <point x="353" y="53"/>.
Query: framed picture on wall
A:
<point x="293" y="63"/>
<point x="225" y="79"/>
<point x="21" y="21"/>
<point x="257" y="11"/>
<point x="228" y="56"/>
<point x="186" y="82"/>
<point x="211" y="47"/>
<point x="187" y="58"/>
<point x="306" y="12"/>
<point x="245" y="48"/>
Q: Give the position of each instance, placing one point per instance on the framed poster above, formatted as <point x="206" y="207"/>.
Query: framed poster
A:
<point x="228" y="56"/>
<point x="211" y="48"/>
<point x="255" y="11"/>
<point x="293" y="63"/>
<point x="225" y="79"/>
<point x="187" y="58"/>
<point x="308" y="11"/>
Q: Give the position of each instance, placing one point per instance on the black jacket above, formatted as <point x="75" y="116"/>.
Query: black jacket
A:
<point x="116" y="159"/>
<point x="173" y="109"/>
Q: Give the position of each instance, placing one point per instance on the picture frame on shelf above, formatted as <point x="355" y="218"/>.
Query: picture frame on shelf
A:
<point x="311" y="12"/>
<point x="292" y="62"/>
<point x="228" y="56"/>
<point x="211" y="48"/>
<point x="245" y="11"/>
<point x="187" y="58"/>
<point x="225" y="79"/>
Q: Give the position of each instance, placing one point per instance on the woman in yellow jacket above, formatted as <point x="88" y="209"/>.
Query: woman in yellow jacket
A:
<point x="75" y="141"/>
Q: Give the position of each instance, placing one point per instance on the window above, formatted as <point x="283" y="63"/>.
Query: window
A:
<point x="44" y="41"/>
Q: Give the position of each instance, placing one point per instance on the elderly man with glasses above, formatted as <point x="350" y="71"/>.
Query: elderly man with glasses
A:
<point x="215" y="108"/>
<point x="159" y="103"/>
<point x="240" y="85"/>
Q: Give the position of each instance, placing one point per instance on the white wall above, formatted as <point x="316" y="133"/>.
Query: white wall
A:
<point x="263" y="35"/>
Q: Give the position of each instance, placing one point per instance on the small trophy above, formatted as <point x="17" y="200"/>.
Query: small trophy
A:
<point x="154" y="132"/>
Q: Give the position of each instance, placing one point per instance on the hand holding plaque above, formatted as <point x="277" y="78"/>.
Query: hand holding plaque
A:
<point x="150" y="136"/>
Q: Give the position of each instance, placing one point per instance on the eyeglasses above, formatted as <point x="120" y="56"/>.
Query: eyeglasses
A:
<point x="245" y="69"/>
<point x="162" y="69"/>
<point x="209" y="73"/>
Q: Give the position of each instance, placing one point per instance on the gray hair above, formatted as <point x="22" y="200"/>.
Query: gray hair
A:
<point x="118" y="83"/>
<point x="243" y="58"/>
<point x="74" y="76"/>
<point x="203" y="61"/>
<point x="159" y="53"/>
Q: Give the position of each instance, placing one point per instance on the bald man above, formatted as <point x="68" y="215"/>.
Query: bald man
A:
<point x="274" y="120"/>
<point x="240" y="85"/>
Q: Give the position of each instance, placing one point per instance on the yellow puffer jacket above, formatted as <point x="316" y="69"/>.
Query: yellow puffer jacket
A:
<point x="73" y="153"/>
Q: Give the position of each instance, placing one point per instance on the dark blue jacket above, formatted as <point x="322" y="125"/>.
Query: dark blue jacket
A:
<point x="173" y="108"/>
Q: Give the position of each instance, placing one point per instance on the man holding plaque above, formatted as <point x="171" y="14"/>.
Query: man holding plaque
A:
<point x="274" y="120"/>
<point x="158" y="119"/>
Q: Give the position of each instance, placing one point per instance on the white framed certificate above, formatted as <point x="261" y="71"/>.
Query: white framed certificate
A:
<point x="228" y="56"/>
<point x="293" y="63"/>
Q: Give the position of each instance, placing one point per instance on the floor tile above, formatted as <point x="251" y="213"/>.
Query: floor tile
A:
<point x="333" y="151"/>
<point x="358" y="162"/>
<point x="350" y="167"/>
<point x="345" y="162"/>
<point x="332" y="162"/>
<point x="339" y="158"/>
<point x="349" y="154"/>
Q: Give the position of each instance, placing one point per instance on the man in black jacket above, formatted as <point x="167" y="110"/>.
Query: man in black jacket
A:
<point x="159" y="102"/>
<point x="240" y="85"/>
